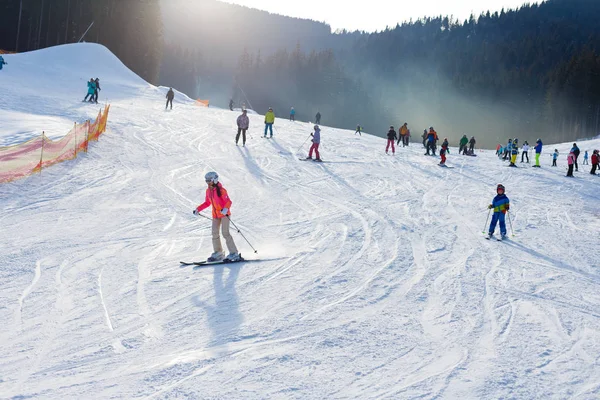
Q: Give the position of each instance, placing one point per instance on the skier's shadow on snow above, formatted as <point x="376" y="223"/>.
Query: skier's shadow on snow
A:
<point x="224" y="317"/>
<point x="279" y="147"/>
<point x="251" y="165"/>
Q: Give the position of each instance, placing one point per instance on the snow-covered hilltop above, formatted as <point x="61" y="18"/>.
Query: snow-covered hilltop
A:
<point x="375" y="279"/>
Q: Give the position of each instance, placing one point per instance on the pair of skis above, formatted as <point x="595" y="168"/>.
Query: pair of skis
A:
<point x="224" y="261"/>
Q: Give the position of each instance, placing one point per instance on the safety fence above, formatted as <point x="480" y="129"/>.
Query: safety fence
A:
<point x="25" y="159"/>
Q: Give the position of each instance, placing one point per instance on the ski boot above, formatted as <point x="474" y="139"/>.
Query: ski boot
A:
<point x="233" y="257"/>
<point x="216" y="256"/>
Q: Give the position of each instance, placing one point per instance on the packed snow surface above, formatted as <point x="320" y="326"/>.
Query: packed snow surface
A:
<point x="375" y="280"/>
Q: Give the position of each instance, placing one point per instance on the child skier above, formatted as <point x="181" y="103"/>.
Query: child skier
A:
<point x="316" y="140"/>
<point x="585" y="158"/>
<point x="391" y="135"/>
<point x="443" y="151"/>
<point x="501" y="205"/>
<point x="217" y="196"/>
<point x="554" y="157"/>
<point x="571" y="162"/>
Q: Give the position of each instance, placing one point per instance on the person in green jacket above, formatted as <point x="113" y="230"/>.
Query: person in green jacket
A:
<point x="269" y="121"/>
<point x="463" y="143"/>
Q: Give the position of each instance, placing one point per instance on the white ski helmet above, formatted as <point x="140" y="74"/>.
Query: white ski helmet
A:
<point x="212" y="177"/>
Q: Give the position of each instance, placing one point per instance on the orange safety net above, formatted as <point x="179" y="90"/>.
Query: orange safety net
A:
<point x="27" y="158"/>
<point x="203" y="103"/>
<point x="6" y="52"/>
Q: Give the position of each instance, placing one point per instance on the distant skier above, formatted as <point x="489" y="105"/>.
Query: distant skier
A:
<point x="292" y="114"/>
<point x="316" y="141"/>
<point x="585" y="158"/>
<point x="525" y="153"/>
<point x="358" y="130"/>
<point x="91" y="89"/>
<point x="514" y="152"/>
<point x="498" y="149"/>
<point x="500" y="205"/>
<point x="318" y="118"/>
<point x="269" y="121"/>
<point x="2" y="62"/>
<point x="538" y="151"/>
<point x="443" y="151"/>
<point x="424" y="136"/>
<point x="243" y="123"/>
<point x="507" y="149"/>
<point x="170" y="96"/>
<point x="576" y="152"/>
<point x="431" y="139"/>
<point x="472" y="145"/>
<point x="571" y="162"/>
<point x="403" y="131"/>
<point x="231" y="105"/>
<point x="96" y="90"/>
<point x="463" y="143"/>
<point x="391" y="135"/>
<point x="554" y="157"/>
<point x="595" y="161"/>
<point x="217" y="197"/>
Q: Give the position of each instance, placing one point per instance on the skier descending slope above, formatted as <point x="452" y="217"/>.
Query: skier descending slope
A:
<point x="500" y="204"/>
<point x="316" y="141"/>
<point x="217" y="196"/>
<point x="443" y="151"/>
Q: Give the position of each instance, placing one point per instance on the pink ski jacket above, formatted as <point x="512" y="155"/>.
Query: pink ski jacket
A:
<point x="218" y="202"/>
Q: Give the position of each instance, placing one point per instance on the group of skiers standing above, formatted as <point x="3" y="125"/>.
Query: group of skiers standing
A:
<point x="511" y="151"/>
<point x="93" y="89"/>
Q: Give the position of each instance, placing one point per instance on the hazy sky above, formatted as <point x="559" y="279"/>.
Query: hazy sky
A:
<point x="371" y="15"/>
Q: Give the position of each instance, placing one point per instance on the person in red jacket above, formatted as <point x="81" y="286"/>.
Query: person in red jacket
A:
<point x="595" y="162"/>
<point x="217" y="197"/>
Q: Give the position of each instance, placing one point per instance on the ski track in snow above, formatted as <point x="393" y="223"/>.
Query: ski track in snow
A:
<point x="375" y="279"/>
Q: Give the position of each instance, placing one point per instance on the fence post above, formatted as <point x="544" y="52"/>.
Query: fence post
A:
<point x="75" y="128"/>
<point x="42" y="153"/>
<point x="87" y="138"/>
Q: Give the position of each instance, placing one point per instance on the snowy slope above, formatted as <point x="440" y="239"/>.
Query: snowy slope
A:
<point x="376" y="281"/>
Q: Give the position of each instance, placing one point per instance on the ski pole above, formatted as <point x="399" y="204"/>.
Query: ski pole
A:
<point x="486" y="220"/>
<point x="240" y="232"/>
<point x="510" y="222"/>
<point x="203" y="216"/>
<point x="299" y="148"/>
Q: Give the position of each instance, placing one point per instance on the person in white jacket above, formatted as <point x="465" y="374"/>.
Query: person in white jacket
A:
<point x="525" y="153"/>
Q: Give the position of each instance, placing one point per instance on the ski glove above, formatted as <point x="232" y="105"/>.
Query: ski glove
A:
<point x="490" y="207"/>
<point x="224" y="211"/>
<point x="196" y="212"/>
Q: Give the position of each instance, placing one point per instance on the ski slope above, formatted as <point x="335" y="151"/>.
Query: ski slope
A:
<point x="375" y="279"/>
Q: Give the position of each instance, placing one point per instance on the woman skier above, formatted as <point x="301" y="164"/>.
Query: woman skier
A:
<point x="316" y="141"/>
<point x="217" y="196"/>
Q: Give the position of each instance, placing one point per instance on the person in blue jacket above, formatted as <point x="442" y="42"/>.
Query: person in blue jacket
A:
<point x="500" y="204"/>
<point x="2" y="62"/>
<point x="91" y="90"/>
<point x="538" y="151"/>
<point x="292" y="114"/>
